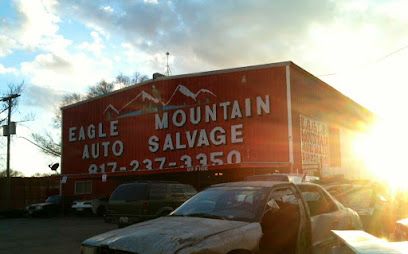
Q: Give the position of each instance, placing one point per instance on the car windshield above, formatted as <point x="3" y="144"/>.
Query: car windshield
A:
<point x="53" y="199"/>
<point x="130" y="192"/>
<point x="229" y="203"/>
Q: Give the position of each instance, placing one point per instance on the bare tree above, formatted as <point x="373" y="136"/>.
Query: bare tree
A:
<point x="138" y="78"/>
<point x="122" y="80"/>
<point x="13" y="173"/>
<point x="66" y="100"/>
<point x="47" y="143"/>
<point x="101" y="88"/>
<point x="12" y="89"/>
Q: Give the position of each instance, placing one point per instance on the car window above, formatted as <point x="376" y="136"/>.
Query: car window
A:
<point x="182" y="189"/>
<point x="53" y="199"/>
<point x="273" y="177"/>
<point x="158" y="191"/>
<point x="358" y="199"/>
<point x="190" y="190"/>
<point x="233" y="203"/>
<point x="130" y="192"/>
<point x="284" y="196"/>
<point x="317" y="201"/>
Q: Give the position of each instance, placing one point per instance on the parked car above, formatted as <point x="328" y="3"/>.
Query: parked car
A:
<point x="239" y="217"/>
<point x="94" y="206"/>
<point x="370" y="202"/>
<point x="50" y="207"/>
<point x="139" y="201"/>
<point x="281" y="177"/>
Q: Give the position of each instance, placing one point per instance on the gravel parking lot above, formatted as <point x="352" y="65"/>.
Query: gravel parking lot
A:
<point x="48" y="235"/>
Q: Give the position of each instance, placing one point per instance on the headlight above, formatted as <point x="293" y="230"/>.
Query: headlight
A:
<point x="88" y="250"/>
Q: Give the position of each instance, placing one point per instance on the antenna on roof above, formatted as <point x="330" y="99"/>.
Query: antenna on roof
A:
<point x="168" y="71"/>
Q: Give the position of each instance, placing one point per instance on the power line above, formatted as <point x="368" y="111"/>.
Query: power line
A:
<point x="41" y="147"/>
<point x="370" y="63"/>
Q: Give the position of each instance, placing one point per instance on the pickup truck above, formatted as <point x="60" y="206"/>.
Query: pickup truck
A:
<point x="238" y="217"/>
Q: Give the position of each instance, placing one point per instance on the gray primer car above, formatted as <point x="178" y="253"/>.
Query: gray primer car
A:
<point x="241" y="217"/>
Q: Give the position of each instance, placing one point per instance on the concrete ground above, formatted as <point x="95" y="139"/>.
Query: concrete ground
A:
<point x="57" y="235"/>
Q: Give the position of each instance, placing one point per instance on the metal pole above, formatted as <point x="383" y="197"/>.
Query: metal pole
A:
<point x="8" y="155"/>
<point x="8" y="99"/>
<point x="8" y="137"/>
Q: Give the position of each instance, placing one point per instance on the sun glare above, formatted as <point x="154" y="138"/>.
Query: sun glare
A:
<point x="383" y="149"/>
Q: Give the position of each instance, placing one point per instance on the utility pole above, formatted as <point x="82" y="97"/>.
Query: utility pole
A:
<point x="168" y="71"/>
<point x="9" y="99"/>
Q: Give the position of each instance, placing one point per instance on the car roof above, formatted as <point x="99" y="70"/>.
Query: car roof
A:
<point x="252" y="184"/>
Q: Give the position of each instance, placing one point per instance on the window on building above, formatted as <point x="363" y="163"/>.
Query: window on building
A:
<point x="83" y="187"/>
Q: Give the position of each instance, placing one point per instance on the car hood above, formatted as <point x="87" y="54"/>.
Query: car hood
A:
<point x="163" y="235"/>
<point x="40" y="204"/>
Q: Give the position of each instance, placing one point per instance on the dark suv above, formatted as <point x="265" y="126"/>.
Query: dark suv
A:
<point x="139" y="201"/>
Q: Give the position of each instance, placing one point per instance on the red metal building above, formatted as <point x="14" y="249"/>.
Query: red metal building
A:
<point x="209" y="127"/>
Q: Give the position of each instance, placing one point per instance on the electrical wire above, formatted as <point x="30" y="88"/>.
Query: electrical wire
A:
<point x="370" y="63"/>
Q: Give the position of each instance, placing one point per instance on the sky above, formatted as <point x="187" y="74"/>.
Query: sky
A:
<point x="58" y="47"/>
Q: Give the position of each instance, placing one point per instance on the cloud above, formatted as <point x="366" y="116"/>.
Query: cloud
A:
<point x="214" y="33"/>
<point x="69" y="72"/>
<point x="7" y="45"/>
<point x="96" y="46"/>
<point x="5" y="70"/>
<point x="38" y="21"/>
<point x="38" y="96"/>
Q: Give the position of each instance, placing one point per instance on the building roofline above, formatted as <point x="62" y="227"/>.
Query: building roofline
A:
<point x="195" y="74"/>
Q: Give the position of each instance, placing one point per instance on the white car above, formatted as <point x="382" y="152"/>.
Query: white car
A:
<point x="241" y="217"/>
<point x="94" y="206"/>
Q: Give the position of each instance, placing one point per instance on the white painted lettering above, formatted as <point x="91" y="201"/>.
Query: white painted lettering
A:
<point x="236" y="134"/>
<point x="248" y="111"/>
<point x="179" y="121"/>
<point x="195" y="115"/>
<point x="114" y="128"/>
<point x="72" y="136"/>
<point x="117" y="148"/>
<point x="218" y="139"/>
<point x="179" y="144"/>
<point x="236" y="111"/>
<point x="202" y="139"/>
<point x="262" y="105"/>
<point x="153" y="144"/>
<point x="191" y="137"/>
<point x="168" y="143"/>
<point x="161" y="123"/>
<point x="81" y="134"/>
<point x="210" y="113"/>
<point x="91" y="131"/>
<point x="224" y="106"/>
<point x="85" y="152"/>
<point x="105" y="146"/>
<point x="101" y="133"/>
<point x="95" y="150"/>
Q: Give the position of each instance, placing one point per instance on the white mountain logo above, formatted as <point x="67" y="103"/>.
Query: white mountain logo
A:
<point x="187" y="92"/>
<point x="145" y="102"/>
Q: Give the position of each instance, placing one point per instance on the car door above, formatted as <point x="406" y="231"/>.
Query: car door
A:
<point x="158" y="200"/>
<point x="325" y="215"/>
<point x="285" y="224"/>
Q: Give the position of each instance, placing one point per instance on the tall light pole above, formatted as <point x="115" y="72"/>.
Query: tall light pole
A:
<point x="8" y="99"/>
